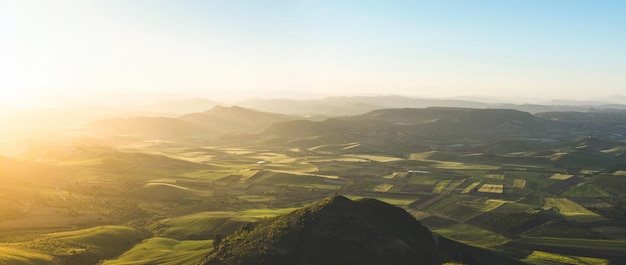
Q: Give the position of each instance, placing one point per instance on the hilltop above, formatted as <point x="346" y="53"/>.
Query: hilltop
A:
<point x="399" y="131"/>
<point x="336" y="230"/>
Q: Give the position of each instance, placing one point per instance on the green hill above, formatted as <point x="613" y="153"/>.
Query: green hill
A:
<point x="469" y="117"/>
<point x="336" y="230"/>
<point x="394" y="130"/>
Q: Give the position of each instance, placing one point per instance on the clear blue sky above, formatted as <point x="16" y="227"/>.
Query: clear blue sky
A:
<point x="86" y="50"/>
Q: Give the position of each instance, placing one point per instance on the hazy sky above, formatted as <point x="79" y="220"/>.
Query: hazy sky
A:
<point x="60" y="52"/>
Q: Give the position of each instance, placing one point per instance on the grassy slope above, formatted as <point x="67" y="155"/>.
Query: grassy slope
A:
<point x="166" y="251"/>
<point x="109" y="240"/>
<point x="19" y="256"/>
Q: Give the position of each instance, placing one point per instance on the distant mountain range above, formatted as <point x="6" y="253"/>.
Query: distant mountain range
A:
<point x="235" y="119"/>
<point x="394" y="131"/>
<point x="217" y="120"/>
<point x="341" y="106"/>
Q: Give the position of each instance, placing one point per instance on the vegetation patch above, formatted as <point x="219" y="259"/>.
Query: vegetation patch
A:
<point x="585" y="190"/>
<point x="166" y="251"/>
<point x="383" y="187"/>
<point x="509" y="223"/>
<point x="463" y="166"/>
<point x="441" y="185"/>
<point x="559" y="176"/>
<point x="473" y="235"/>
<point x="19" y="256"/>
<point x="519" y="183"/>
<point x="471" y="187"/>
<point x="577" y="243"/>
<point x="494" y="176"/>
<point x="547" y="258"/>
<point x="563" y="229"/>
<point x="571" y="210"/>
<point x="492" y="188"/>
<point x="376" y="158"/>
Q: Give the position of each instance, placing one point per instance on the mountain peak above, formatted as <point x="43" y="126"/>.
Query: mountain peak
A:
<point x="335" y="230"/>
<point x="334" y="202"/>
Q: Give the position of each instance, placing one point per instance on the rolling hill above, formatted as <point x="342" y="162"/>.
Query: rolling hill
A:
<point x="235" y="119"/>
<point x="399" y="128"/>
<point x="336" y="230"/>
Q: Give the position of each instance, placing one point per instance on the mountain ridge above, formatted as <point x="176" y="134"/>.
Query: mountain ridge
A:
<point x="336" y="230"/>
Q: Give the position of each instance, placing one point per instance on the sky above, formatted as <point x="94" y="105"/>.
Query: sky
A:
<point x="105" y="52"/>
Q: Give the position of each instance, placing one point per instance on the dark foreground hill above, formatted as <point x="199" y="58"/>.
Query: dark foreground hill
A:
<point x="336" y="230"/>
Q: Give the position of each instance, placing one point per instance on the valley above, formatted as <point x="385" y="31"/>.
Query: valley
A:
<point x="538" y="188"/>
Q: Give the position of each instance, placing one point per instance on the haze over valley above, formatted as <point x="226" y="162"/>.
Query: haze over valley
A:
<point x="312" y="132"/>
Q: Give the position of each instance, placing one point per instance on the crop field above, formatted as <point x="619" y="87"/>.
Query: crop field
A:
<point x="383" y="187"/>
<point x="423" y="179"/>
<point x="375" y="158"/>
<point x="459" y="212"/>
<point x="571" y="210"/>
<point x="519" y="183"/>
<point x="463" y="166"/>
<point x="494" y="176"/>
<point x="581" y="244"/>
<point x="559" y="176"/>
<point x="160" y="250"/>
<point x="585" y="190"/>
<point x="163" y="201"/>
<point x="547" y="258"/>
<point x="469" y="233"/>
<point x="471" y="187"/>
<point x="441" y="185"/>
<point x="491" y="188"/>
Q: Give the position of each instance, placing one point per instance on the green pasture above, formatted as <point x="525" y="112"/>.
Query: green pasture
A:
<point x="14" y="255"/>
<point x="582" y="243"/>
<point x="205" y="224"/>
<point x="301" y="180"/>
<point x="571" y="210"/>
<point x="473" y="235"/>
<point x="397" y="201"/>
<point x="585" y="190"/>
<point x="547" y="258"/>
<point x="108" y="240"/>
<point x="165" y="251"/>
<point x="196" y="226"/>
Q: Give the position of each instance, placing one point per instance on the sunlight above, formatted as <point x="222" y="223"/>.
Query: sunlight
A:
<point x="15" y="98"/>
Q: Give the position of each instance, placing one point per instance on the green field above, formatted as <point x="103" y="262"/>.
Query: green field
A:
<point x="547" y="258"/>
<point x="167" y="251"/>
<point x="571" y="210"/>
<point x="154" y="199"/>
<point x="473" y="235"/>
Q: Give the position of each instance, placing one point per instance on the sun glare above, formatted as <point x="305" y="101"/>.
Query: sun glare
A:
<point x="16" y="98"/>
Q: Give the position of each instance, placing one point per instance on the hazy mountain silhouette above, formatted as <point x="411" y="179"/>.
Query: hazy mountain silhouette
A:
<point x="235" y="119"/>
<point x="428" y="122"/>
<point x="340" y="106"/>
<point x="182" y="106"/>
<point x="160" y="126"/>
